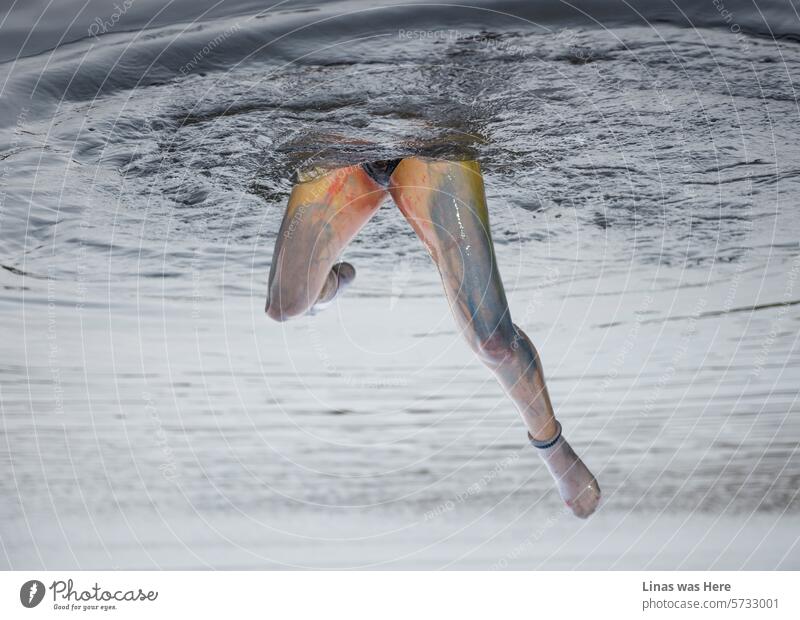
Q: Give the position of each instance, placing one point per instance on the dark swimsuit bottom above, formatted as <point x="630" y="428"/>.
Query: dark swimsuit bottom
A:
<point x="381" y="171"/>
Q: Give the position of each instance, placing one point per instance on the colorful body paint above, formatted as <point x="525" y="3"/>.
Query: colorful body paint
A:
<point x="445" y="204"/>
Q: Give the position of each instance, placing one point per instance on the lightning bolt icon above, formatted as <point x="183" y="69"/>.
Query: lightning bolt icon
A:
<point x="32" y="592"/>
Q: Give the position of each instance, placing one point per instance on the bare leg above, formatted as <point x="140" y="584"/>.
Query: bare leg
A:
<point x="322" y="217"/>
<point x="445" y="204"/>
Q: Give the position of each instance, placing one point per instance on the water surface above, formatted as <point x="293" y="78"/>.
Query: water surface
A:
<point x="642" y="178"/>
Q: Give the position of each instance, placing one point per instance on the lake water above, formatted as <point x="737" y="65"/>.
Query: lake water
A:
<point x="642" y="172"/>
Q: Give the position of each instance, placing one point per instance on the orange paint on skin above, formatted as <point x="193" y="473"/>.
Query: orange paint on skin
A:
<point x="359" y="191"/>
<point x="336" y="183"/>
<point x="426" y="190"/>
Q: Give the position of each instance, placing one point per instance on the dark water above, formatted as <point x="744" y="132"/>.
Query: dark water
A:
<point x="642" y="172"/>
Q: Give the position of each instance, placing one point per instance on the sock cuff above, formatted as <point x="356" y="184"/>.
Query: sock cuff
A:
<point x="546" y="443"/>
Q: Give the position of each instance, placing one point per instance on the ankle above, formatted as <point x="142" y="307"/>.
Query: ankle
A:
<point x="543" y="431"/>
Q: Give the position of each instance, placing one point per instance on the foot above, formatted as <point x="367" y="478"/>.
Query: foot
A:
<point x="339" y="278"/>
<point x="576" y="484"/>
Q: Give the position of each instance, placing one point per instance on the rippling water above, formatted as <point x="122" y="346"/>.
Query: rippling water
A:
<point x="642" y="181"/>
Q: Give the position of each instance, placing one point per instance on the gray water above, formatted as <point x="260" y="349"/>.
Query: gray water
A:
<point x="642" y="179"/>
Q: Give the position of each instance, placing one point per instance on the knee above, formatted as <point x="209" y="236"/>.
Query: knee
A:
<point x="276" y="314"/>
<point x="494" y="348"/>
<point x="284" y="310"/>
<point x="504" y="345"/>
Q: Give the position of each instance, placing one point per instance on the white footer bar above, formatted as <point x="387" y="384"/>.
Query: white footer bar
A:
<point x="406" y="595"/>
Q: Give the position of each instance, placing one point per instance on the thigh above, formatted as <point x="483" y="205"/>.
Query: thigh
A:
<point x="445" y="203"/>
<point x="322" y="217"/>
